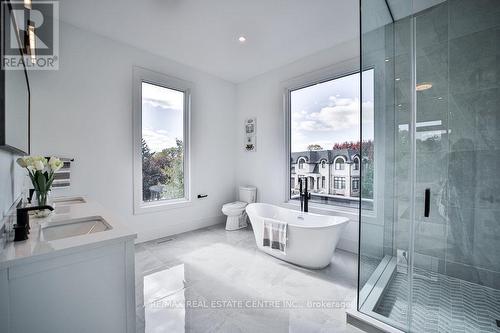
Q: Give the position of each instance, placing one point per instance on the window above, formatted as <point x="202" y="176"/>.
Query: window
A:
<point x="301" y="163"/>
<point x="355" y="183"/>
<point x="339" y="163"/>
<point x="356" y="163"/>
<point x="322" y="120"/>
<point x="339" y="183"/>
<point x="161" y="141"/>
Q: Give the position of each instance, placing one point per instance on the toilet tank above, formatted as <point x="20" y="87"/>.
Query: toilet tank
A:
<point x="248" y="194"/>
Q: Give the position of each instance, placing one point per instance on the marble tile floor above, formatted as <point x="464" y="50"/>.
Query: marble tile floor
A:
<point x="212" y="280"/>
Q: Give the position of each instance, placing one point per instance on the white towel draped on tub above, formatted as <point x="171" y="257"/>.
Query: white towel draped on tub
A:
<point x="275" y="235"/>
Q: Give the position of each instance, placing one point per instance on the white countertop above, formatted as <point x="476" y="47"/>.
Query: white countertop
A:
<point x="32" y="249"/>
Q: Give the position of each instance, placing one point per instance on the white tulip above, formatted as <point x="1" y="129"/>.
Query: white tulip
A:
<point x="29" y="161"/>
<point x="22" y="162"/>
<point x="38" y="165"/>
<point x="55" y="164"/>
<point x="41" y="159"/>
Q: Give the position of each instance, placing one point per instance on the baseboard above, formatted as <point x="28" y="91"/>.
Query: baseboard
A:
<point x="178" y="228"/>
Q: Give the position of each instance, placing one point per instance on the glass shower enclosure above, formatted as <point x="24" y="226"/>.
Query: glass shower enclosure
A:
<point x="429" y="252"/>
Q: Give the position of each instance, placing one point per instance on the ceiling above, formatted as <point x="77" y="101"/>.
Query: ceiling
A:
<point x="204" y="33"/>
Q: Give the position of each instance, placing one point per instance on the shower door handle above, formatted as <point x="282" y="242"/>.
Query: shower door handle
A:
<point x="427" y="202"/>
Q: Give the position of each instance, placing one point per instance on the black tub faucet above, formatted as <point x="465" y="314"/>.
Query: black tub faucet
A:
<point x="304" y="195"/>
<point x="22" y="227"/>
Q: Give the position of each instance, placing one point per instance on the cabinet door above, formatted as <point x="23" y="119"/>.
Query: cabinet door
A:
<point x="83" y="292"/>
<point x="4" y="300"/>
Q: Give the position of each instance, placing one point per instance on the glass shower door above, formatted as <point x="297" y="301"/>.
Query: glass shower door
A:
<point x="430" y="251"/>
<point x="455" y="244"/>
<point x="430" y="154"/>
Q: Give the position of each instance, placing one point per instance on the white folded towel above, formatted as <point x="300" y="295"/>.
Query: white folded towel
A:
<point x="275" y="235"/>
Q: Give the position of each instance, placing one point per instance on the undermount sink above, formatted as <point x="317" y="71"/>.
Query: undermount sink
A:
<point x="68" y="201"/>
<point x="70" y="228"/>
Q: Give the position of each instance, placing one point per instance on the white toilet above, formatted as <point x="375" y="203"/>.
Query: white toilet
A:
<point x="235" y="211"/>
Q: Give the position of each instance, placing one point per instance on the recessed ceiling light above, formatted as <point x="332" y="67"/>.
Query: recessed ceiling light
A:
<point x="242" y="39"/>
<point x="424" y="86"/>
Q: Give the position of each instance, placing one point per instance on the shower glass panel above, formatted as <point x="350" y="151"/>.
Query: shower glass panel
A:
<point x="430" y="252"/>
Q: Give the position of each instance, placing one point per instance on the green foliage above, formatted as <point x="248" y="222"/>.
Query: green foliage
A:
<point x="164" y="171"/>
<point x="367" y="179"/>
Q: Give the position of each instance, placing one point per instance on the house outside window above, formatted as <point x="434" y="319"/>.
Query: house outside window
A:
<point x="356" y="163"/>
<point x="355" y="184"/>
<point x="301" y="163"/>
<point x="339" y="164"/>
<point x="339" y="183"/>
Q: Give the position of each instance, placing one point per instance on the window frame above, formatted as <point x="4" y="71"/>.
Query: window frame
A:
<point x="341" y="181"/>
<point x="141" y="75"/>
<point x="333" y="72"/>
<point x="355" y="180"/>
<point x="300" y="162"/>
<point x="341" y="165"/>
<point x="356" y="165"/>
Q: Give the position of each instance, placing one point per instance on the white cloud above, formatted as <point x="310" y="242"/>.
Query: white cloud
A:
<point x="343" y="113"/>
<point x="161" y="96"/>
<point x="158" y="140"/>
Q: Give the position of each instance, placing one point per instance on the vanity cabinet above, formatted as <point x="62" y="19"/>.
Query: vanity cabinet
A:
<point x="89" y="289"/>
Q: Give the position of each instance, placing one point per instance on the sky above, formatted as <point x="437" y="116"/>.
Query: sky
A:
<point x="162" y="116"/>
<point x="328" y="113"/>
<point x="324" y="114"/>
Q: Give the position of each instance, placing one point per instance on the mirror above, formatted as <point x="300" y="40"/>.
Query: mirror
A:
<point x="14" y="89"/>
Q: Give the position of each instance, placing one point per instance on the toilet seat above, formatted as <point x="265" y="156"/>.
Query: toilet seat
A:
<point x="236" y="207"/>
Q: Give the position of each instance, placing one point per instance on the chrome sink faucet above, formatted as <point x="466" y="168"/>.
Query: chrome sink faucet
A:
<point x="304" y="195"/>
<point x="22" y="227"/>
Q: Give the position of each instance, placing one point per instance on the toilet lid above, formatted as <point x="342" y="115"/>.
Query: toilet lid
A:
<point x="235" y="205"/>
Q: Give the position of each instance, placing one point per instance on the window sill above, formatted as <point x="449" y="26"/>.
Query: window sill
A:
<point x="351" y="213"/>
<point x="158" y="206"/>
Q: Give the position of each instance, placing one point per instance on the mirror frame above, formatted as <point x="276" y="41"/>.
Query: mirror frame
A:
<point x="4" y="145"/>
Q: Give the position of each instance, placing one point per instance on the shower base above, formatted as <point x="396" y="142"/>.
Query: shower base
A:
<point x="440" y="303"/>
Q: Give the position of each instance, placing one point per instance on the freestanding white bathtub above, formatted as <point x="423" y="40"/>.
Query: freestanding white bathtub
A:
<point x="312" y="238"/>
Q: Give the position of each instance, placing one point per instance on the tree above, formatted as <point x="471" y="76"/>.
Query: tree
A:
<point x="171" y="162"/>
<point x="314" y="147"/>
<point x="347" y="145"/>
<point x="152" y="174"/>
<point x="367" y="179"/>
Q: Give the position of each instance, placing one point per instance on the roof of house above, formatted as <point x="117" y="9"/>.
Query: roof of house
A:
<point x="316" y="156"/>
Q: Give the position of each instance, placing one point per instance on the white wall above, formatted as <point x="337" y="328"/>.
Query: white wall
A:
<point x="84" y="110"/>
<point x="262" y="97"/>
<point x="11" y="181"/>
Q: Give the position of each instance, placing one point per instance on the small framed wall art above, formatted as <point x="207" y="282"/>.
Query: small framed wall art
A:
<point x="250" y="134"/>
